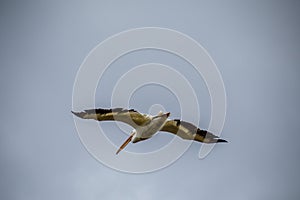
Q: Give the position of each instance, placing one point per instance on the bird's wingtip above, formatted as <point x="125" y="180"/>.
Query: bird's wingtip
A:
<point x="222" y="140"/>
<point x="78" y="114"/>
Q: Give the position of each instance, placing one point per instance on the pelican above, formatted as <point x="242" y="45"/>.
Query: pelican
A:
<point x="145" y="125"/>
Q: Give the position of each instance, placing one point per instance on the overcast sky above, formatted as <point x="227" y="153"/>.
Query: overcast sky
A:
<point x="255" y="45"/>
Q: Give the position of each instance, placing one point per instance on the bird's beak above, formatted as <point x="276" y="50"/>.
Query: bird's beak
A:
<point x="125" y="143"/>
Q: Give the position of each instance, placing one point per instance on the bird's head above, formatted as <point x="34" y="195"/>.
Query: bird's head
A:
<point x="160" y="113"/>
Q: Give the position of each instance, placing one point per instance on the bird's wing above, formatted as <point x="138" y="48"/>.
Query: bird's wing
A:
<point x="130" y="117"/>
<point x="189" y="131"/>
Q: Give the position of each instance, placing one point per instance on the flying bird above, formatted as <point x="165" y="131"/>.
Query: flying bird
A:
<point x="145" y="125"/>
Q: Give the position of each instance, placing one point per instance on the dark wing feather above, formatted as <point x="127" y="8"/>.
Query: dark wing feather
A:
<point x="131" y="117"/>
<point x="189" y="131"/>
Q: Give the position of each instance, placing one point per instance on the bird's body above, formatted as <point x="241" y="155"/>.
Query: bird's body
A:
<point x="145" y="126"/>
<point x="148" y="130"/>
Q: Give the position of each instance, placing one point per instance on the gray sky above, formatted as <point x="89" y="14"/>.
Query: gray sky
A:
<point x="255" y="46"/>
